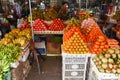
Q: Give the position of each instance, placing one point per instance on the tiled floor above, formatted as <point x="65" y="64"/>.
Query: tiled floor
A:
<point x="51" y="69"/>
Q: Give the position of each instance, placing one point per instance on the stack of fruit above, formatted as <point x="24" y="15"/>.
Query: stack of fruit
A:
<point x="39" y="25"/>
<point x="99" y="45"/>
<point x="87" y="25"/>
<point x="72" y="22"/>
<point x="84" y="15"/>
<point x="112" y="43"/>
<point x="8" y="54"/>
<point x="73" y="42"/>
<point x="57" y="25"/>
<point x="94" y="33"/>
<point x="17" y="37"/>
<point x="108" y="62"/>
<point x="37" y="13"/>
<point x="25" y="25"/>
<point x="50" y="14"/>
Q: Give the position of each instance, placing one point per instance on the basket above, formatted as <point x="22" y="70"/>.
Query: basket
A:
<point x="96" y="75"/>
<point x="74" y="66"/>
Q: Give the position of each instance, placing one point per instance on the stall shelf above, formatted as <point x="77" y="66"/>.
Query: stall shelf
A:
<point x="48" y="32"/>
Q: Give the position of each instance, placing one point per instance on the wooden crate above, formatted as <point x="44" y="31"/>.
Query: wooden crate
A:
<point x="53" y="50"/>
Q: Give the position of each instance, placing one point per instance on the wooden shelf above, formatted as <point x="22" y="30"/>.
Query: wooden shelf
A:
<point x="53" y="54"/>
<point x="48" y="32"/>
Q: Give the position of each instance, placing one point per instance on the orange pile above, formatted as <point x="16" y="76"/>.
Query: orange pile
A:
<point x="73" y="42"/>
<point x="99" y="45"/>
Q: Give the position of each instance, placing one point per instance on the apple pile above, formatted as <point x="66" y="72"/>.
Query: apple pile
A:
<point x="57" y="25"/>
<point x="73" y="42"/>
<point x="25" y="25"/>
<point x="39" y="25"/>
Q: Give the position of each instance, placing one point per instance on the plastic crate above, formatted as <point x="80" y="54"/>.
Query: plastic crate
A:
<point x="75" y="58"/>
<point x="96" y="75"/>
<point x="74" y="66"/>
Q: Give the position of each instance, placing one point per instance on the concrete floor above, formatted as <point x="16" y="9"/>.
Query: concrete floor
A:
<point x="51" y="69"/>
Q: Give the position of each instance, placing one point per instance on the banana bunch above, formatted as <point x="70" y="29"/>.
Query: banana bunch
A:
<point x="21" y="41"/>
<point x="10" y="53"/>
<point x="26" y="33"/>
<point x="4" y="67"/>
<point x="16" y="30"/>
<point x="74" y="21"/>
<point x="5" y="41"/>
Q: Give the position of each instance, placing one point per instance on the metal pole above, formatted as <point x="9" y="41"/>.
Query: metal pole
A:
<point x="31" y="20"/>
<point x="35" y="54"/>
<point x="86" y="4"/>
<point x="79" y="5"/>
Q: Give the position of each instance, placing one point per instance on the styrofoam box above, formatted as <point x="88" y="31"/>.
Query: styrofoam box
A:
<point x="26" y="46"/>
<point x="96" y="75"/>
<point x="25" y="55"/>
<point x="40" y="44"/>
<point x="15" y="65"/>
<point x="74" y="66"/>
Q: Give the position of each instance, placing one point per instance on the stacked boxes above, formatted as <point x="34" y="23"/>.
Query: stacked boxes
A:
<point x="74" y="66"/>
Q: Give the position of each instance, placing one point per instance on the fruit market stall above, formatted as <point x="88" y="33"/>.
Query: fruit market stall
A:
<point x="83" y="41"/>
<point x="88" y="39"/>
<point x="14" y="52"/>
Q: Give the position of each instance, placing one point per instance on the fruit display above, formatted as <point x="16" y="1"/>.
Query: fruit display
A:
<point x="5" y="41"/>
<point x="50" y="14"/>
<point x="39" y="25"/>
<point x="21" y="41"/>
<point x="37" y="13"/>
<point x="56" y="25"/>
<point x="99" y="45"/>
<point x="84" y="15"/>
<point x="94" y="33"/>
<point x="17" y="37"/>
<point x="87" y="25"/>
<point x="27" y="33"/>
<point x="112" y="43"/>
<point x="9" y="53"/>
<point x="108" y="62"/>
<point x="117" y="15"/>
<point x="72" y="22"/>
<point x="70" y="33"/>
<point x="73" y="42"/>
<point x="25" y="25"/>
<point x="4" y="68"/>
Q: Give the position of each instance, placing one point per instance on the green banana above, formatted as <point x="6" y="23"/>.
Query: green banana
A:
<point x="4" y="65"/>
